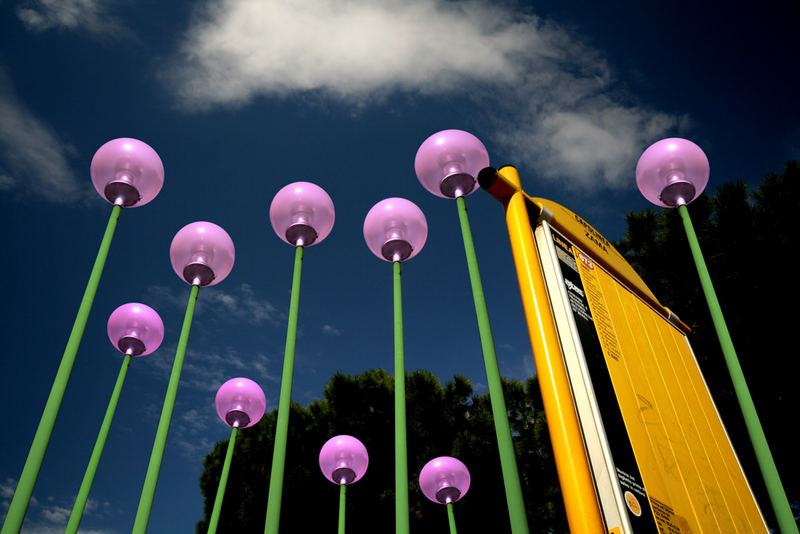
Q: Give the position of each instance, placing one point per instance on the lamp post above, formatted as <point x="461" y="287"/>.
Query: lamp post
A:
<point x="127" y="173"/>
<point x="447" y="165"/>
<point x="302" y="215"/>
<point x="445" y="480"/>
<point x="240" y="403"/>
<point x="135" y="330"/>
<point x="343" y="460"/>
<point x="671" y="173"/>
<point x="395" y="230"/>
<point x="202" y="255"/>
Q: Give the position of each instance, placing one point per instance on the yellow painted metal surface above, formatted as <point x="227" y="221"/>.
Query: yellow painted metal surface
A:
<point x="577" y="487"/>
<point x="693" y="480"/>
<point x="692" y="477"/>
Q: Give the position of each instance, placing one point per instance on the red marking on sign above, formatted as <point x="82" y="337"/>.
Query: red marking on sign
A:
<point x="586" y="261"/>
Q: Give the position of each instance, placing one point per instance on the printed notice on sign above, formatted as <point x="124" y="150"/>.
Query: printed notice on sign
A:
<point x="676" y="469"/>
<point x="630" y="482"/>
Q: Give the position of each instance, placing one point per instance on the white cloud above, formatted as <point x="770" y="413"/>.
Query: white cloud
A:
<point x="244" y="306"/>
<point x="33" y="159"/>
<point x="545" y="95"/>
<point x="238" y="49"/>
<point x="38" y="528"/>
<point x="96" y="508"/>
<point x="7" y="488"/>
<point x="241" y="305"/>
<point x="55" y="514"/>
<point x="206" y="371"/>
<point x="591" y="147"/>
<point x="330" y="330"/>
<point x="73" y="15"/>
<point x="190" y="432"/>
<point x="7" y="182"/>
<point x="52" y="518"/>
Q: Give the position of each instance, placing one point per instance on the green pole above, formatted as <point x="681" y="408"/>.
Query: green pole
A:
<point x="94" y="460"/>
<point x="508" y="462"/>
<point x="451" y="518"/>
<point x="777" y="495"/>
<point x="400" y="448"/>
<point x="284" y="405"/>
<point x="154" y="467"/>
<point x="341" y="507"/>
<point x="30" y="471"/>
<point x="223" y="481"/>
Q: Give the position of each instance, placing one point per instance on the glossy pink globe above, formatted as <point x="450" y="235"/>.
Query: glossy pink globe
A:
<point x="672" y="172"/>
<point x="127" y="172"/>
<point x="135" y="329"/>
<point x="444" y="479"/>
<point x="302" y="214"/>
<point x="395" y="229"/>
<point x="202" y="253"/>
<point x="448" y="163"/>
<point x="240" y="402"/>
<point x="343" y="459"/>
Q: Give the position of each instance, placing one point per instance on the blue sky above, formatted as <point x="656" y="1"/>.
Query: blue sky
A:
<point x="240" y="98"/>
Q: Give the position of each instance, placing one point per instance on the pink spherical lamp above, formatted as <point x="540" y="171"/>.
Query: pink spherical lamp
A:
<point x="127" y="172"/>
<point x="444" y="480"/>
<point x="135" y="329"/>
<point x="395" y="229"/>
<point x="672" y="172"/>
<point x="448" y="162"/>
<point x="202" y="253"/>
<point x="343" y="459"/>
<point x="302" y="214"/>
<point x="240" y="402"/>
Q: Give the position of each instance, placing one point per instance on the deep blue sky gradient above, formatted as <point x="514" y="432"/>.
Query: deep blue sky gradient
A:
<point x="729" y="76"/>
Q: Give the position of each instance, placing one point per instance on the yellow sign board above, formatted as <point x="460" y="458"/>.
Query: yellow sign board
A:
<point x="658" y="456"/>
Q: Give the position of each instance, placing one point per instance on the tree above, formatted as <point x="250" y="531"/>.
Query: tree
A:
<point x="442" y="420"/>
<point x="748" y="241"/>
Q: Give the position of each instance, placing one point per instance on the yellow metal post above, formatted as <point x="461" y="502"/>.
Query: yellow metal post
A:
<point x="574" y="472"/>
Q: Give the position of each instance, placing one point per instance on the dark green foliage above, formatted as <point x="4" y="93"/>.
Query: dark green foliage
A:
<point x="748" y="240"/>
<point x="442" y="420"/>
<point x="750" y="245"/>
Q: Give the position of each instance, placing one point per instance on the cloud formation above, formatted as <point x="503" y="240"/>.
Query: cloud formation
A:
<point x="236" y="306"/>
<point x="238" y="49"/>
<point x="195" y="424"/>
<point x="51" y="518"/>
<point x="33" y="159"/>
<point x="73" y="15"/>
<point x="330" y="330"/>
<point x="205" y="371"/>
<point x="549" y="98"/>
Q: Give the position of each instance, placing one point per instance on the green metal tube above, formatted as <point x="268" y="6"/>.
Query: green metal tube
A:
<point x="451" y="518"/>
<point x="769" y="472"/>
<point x="30" y="471"/>
<point x="508" y="462"/>
<point x="274" y="496"/>
<point x="86" y="485"/>
<point x="342" y="489"/>
<point x="400" y="447"/>
<point x="157" y="454"/>
<point x="223" y="481"/>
